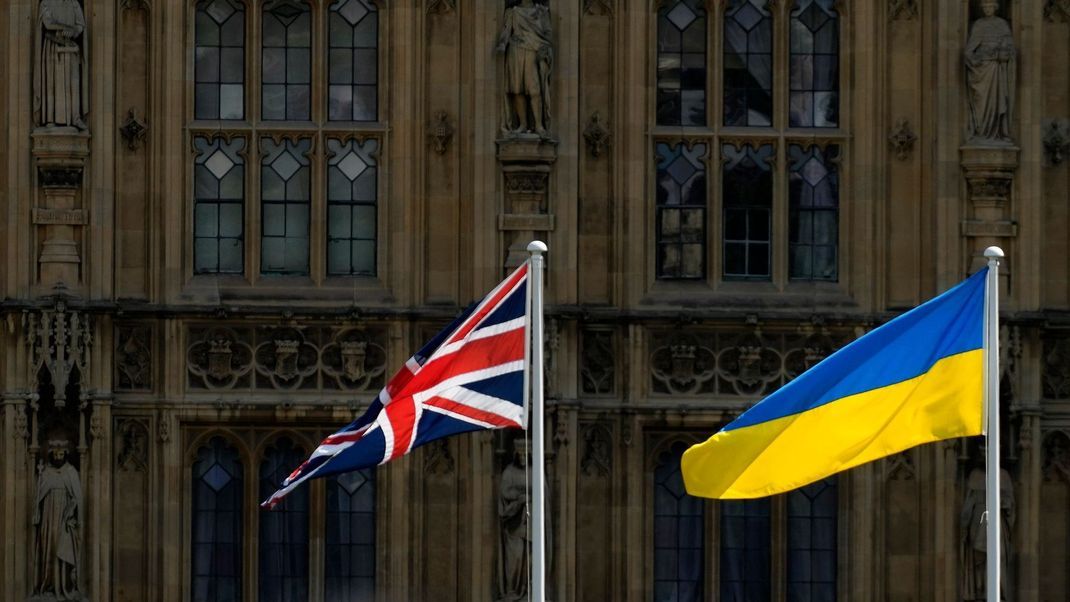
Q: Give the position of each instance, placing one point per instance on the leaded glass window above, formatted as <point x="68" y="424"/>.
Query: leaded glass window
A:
<point x="286" y="61"/>
<point x="747" y="216"/>
<point x="219" y="61"/>
<point x="353" y="63"/>
<point x="812" y="546"/>
<point x="682" y="63"/>
<point x="679" y="532"/>
<point x="219" y="191"/>
<point x="748" y="63"/>
<point x="745" y="550"/>
<point x="814" y="212"/>
<point x="351" y="207"/>
<point x="681" y="211"/>
<point x="350" y="537"/>
<point x="283" y="531"/>
<point x="216" y="554"/>
<point x="814" y="65"/>
<point x="284" y="202"/>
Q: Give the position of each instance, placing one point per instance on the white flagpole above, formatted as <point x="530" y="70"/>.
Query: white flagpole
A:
<point x="991" y="377"/>
<point x="538" y="465"/>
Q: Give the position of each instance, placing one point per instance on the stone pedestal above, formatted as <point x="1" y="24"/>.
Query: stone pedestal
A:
<point x="526" y="161"/>
<point x="989" y="173"/>
<point x="59" y="215"/>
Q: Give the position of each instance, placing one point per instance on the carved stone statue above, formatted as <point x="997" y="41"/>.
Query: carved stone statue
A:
<point x="60" y="85"/>
<point x="974" y="534"/>
<point x="526" y="40"/>
<point x="515" y="544"/>
<point x="57" y="530"/>
<point x="990" y="76"/>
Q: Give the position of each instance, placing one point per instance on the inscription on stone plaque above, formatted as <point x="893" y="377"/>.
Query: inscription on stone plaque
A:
<point x="59" y="216"/>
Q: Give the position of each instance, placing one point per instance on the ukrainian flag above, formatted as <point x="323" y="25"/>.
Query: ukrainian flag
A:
<point x="916" y="379"/>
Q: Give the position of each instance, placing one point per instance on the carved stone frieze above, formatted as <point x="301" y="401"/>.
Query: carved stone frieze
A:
<point x="597" y="459"/>
<point x="438" y="459"/>
<point x="1055" y="369"/>
<point x="296" y="358"/>
<point x="990" y="187"/>
<point x="133" y="130"/>
<point x="598" y="7"/>
<point x="133" y="357"/>
<point x="440" y="132"/>
<point x="441" y="6"/>
<point x="132" y="445"/>
<point x="596" y="135"/>
<point x="60" y="176"/>
<point x="526" y="183"/>
<point x="900" y="467"/>
<point x="902" y="9"/>
<point x="1056" y="140"/>
<point x="902" y="139"/>
<point x="1056" y="458"/>
<point x="59" y="340"/>
<point x="1057" y="10"/>
<point x="598" y="372"/>
<point x="745" y="363"/>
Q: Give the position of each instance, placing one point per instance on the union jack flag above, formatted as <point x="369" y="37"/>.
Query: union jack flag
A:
<point x="471" y="376"/>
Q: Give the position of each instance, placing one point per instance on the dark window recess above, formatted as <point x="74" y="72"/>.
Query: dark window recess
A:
<point x="748" y="201"/>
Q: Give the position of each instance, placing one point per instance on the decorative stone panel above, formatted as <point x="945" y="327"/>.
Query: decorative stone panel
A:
<point x="748" y="363"/>
<point x="598" y="373"/>
<point x="133" y="357"/>
<point x="1055" y="367"/>
<point x="295" y="358"/>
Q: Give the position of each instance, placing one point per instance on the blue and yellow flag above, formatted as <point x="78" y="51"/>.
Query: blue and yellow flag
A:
<point x="916" y="379"/>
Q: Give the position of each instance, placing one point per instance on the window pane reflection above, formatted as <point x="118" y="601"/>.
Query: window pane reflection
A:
<point x="219" y="191"/>
<point x="284" y="206"/>
<point x="352" y="175"/>
<point x="814" y="65"/>
<point x="681" y="211"/>
<point x="814" y="212"/>
<point x="352" y="61"/>
<point x="682" y="63"/>
<point x="286" y="61"/>
<point x="812" y="542"/>
<point x="745" y="550"/>
<point x="748" y="63"/>
<point x="219" y="60"/>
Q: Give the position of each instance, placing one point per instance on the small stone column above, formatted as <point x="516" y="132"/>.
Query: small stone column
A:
<point x="526" y="162"/>
<point x="58" y="214"/>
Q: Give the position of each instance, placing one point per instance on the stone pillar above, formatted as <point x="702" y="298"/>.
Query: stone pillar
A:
<point x="59" y="216"/>
<point x="526" y="162"/>
<point x="989" y="173"/>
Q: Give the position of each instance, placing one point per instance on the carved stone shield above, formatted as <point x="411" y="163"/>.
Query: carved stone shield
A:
<point x="683" y="363"/>
<point x="219" y="355"/>
<point x="354" y="354"/>
<point x="286" y="358"/>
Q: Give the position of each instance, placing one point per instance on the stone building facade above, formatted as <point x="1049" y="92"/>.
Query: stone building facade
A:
<point x="225" y="222"/>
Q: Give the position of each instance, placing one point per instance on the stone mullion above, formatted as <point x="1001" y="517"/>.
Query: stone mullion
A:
<point x="96" y="526"/>
<point x="15" y="510"/>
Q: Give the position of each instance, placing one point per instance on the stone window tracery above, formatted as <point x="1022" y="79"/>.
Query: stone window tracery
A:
<point x="292" y="89"/>
<point x="773" y="84"/>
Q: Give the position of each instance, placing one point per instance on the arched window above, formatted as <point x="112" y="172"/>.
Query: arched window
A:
<point x="745" y="550"/>
<point x="216" y="555"/>
<point x="284" y="531"/>
<point x="219" y="64"/>
<point x="286" y="61"/>
<point x="350" y="537"/>
<point x="679" y="533"/>
<point x="812" y="546"/>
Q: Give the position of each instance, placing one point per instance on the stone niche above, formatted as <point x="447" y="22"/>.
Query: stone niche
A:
<point x="59" y="216"/>
<point x="526" y="162"/>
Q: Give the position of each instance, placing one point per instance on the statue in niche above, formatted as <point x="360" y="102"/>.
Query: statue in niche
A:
<point x="515" y="544"/>
<point x="526" y="41"/>
<point x="990" y="76"/>
<point x="974" y="533"/>
<point x="60" y="85"/>
<point x="56" y="527"/>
